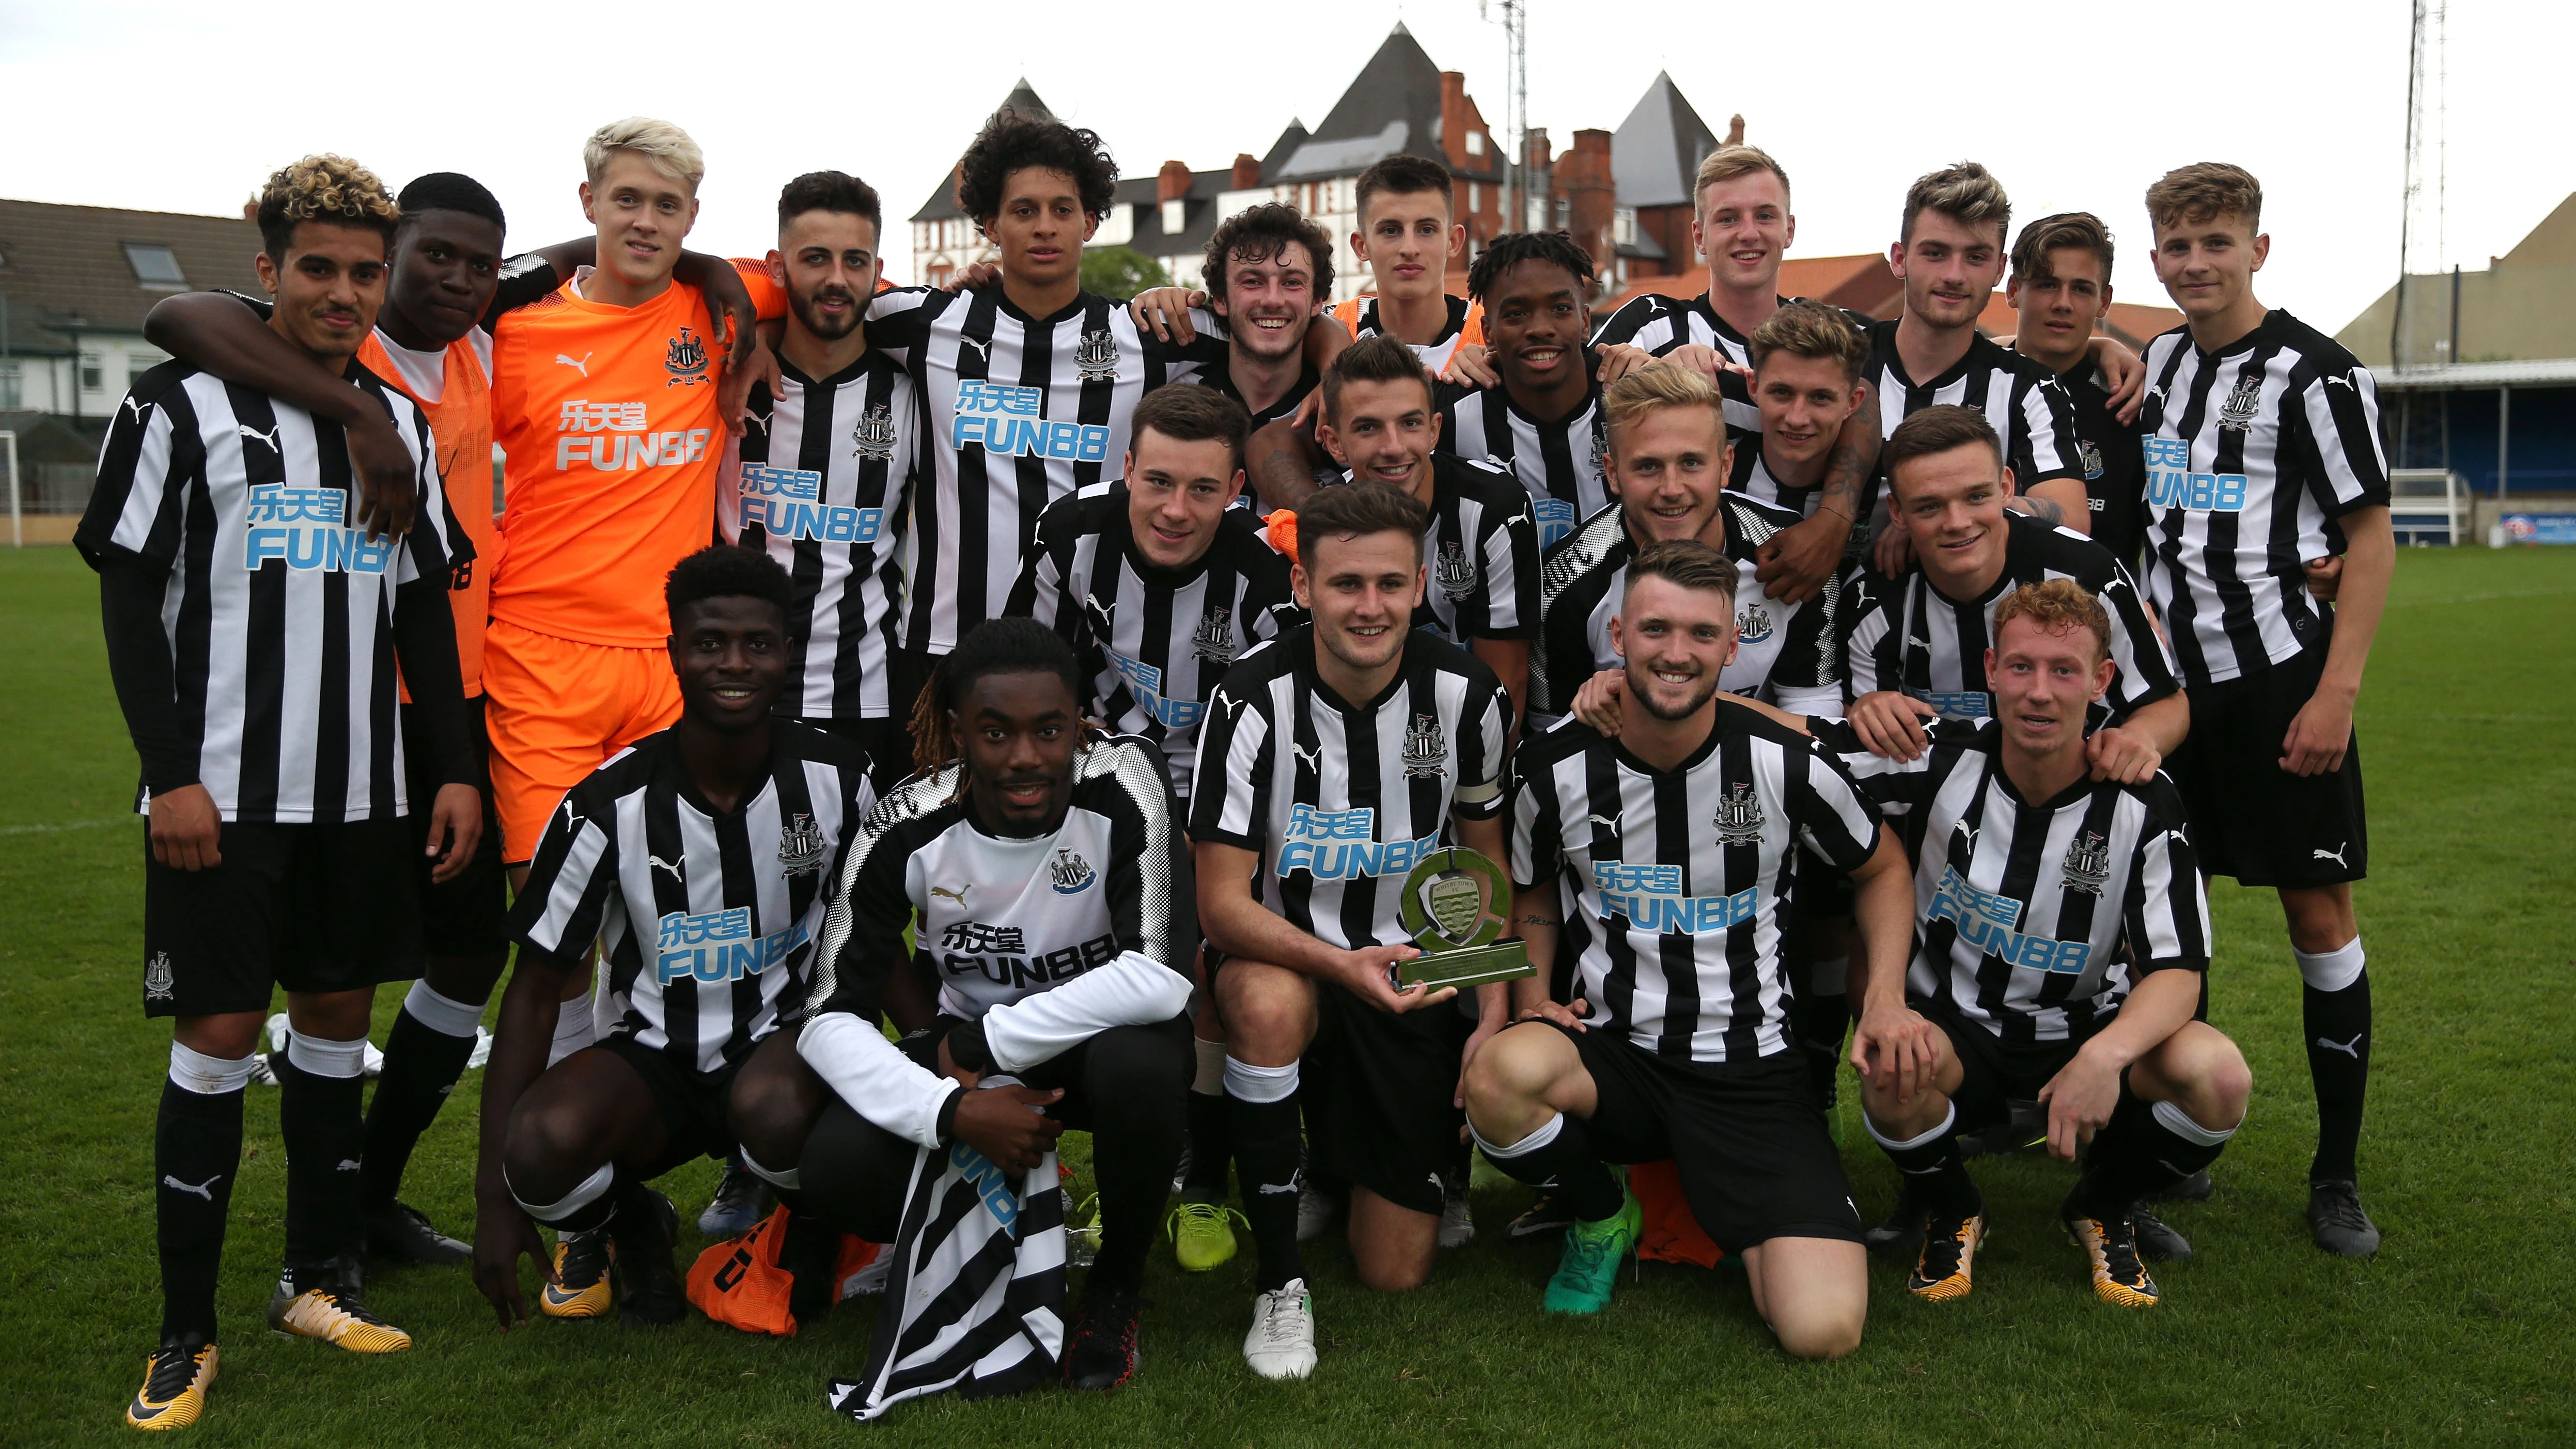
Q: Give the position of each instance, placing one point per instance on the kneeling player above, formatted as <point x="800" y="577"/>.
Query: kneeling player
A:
<point x="2040" y="891"/>
<point x="1661" y="858"/>
<point x="1333" y="759"/>
<point x="718" y="838"/>
<point x="1039" y="861"/>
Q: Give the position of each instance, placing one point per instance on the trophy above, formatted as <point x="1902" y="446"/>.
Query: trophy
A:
<point x="1453" y="903"/>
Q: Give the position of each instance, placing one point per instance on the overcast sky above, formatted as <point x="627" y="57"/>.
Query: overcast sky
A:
<point x="184" y="107"/>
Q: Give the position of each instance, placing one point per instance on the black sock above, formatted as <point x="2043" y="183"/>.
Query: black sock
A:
<point x="1265" y="1162"/>
<point x="1563" y="1164"/>
<point x="1935" y="1176"/>
<point x="196" y="1152"/>
<point x="324" y="1132"/>
<point x="1133" y="1168"/>
<point x="2338" y="1028"/>
<point x="1211" y="1148"/>
<point x="2140" y="1151"/>
<point x="421" y="1065"/>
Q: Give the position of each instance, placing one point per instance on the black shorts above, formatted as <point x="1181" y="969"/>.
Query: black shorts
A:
<point x="2250" y="818"/>
<point x="1748" y="1138"/>
<point x="311" y="908"/>
<point x="692" y="1103"/>
<point x="1380" y="1094"/>
<point x="1995" y="1073"/>
<point x="888" y="742"/>
<point x="465" y="916"/>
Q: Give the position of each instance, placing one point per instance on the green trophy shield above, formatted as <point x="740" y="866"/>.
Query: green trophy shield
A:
<point x="1449" y="904"/>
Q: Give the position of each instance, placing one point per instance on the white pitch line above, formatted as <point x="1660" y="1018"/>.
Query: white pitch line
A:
<point x="68" y="825"/>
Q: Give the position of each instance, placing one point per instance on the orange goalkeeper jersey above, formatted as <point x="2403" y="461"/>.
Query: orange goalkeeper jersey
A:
<point x="613" y="434"/>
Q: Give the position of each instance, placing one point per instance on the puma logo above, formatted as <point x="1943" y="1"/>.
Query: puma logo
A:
<point x="2344" y="382"/>
<point x="347" y="1164"/>
<point x="582" y="365"/>
<point x="1220" y="701"/>
<point x="2335" y="855"/>
<point x="1269" y="1189"/>
<point x="982" y="346"/>
<point x="1913" y="643"/>
<point x="673" y="866"/>
<point x="136" y="407"/>
<point x="570" y="820"/>
<point x="2350" y="1048"/>
<point x="268" y="438"/>
<point x="1314" y="758"/>
<point x="1605" y="820"/>
<point x="958" y="895"/>
<point x="204" y="1189"/>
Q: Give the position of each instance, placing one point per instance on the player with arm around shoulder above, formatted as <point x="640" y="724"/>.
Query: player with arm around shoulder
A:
<point x="2061" y="942"/>
<point x="1664" y="860"/>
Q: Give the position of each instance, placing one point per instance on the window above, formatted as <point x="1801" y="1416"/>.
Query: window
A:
<point x="12" y="387"/>
<point x="1475" y="197"/>
<point x="156" y="267"/>
<point x="1623" y="226"/>
<point x="1175" y="216"/>
<point x="1475" y="143"/>
<point x="139" y="363"/>
<point x="89" y="370"/>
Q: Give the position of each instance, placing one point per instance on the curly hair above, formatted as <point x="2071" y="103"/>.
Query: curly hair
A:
<point x="724" y="571"/>
<point x="1513" y="248"/>
<point x="330" y="189"/>
<point x="2056" y="605"/>
<point x="1258" y="233"/>
<point x="1012" y="142"/>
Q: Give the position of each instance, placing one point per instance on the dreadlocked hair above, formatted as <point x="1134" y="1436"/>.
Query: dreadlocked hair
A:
<point x="996" y="646"/>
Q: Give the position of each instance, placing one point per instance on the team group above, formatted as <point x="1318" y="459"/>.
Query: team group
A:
<point x="1083" y="687"/>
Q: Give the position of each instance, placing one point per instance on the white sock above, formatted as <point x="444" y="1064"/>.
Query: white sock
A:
<point x="1247" y="1083"/>
<point x="442" y="1014"/>
<point x="2181" y="1124"/>
<point x="2331" y="970"/>
<point x="584" y="1193"/>
<point x="324" y="1057"/>
<point x="1545" y="1133"/>
<point x="1948" y="1119"/>
<point x="573" y="1030"/>
<point x="1210" y="1081"/>
<point x="208" y="1076"/>
<point x="788" y="1180"/>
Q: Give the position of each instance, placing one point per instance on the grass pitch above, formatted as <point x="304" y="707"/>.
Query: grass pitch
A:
<point x="2458" y="1331"/>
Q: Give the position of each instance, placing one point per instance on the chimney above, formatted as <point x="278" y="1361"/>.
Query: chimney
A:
<point x="1453" y="118"/>
<point x="1247" y="172"/>
<point x="1583" y="178"/>
<point x="1735" y="129"/>
<point x="1538" y="152"/>
<point x="1172" y="182"/>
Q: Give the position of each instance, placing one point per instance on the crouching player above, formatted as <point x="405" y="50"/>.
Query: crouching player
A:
<point x="699" y="859"/>
<point x="1662" y="859"/>
<point x="2063" y="938"/>
<point x="1039" y="860"/>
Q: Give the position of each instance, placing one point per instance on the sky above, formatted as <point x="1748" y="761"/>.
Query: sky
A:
<point x="171" y="106"/>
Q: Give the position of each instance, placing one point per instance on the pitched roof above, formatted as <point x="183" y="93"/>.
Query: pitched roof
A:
<point x="1656" y="152"/>
<point x="70" y="266"/>
<point x="943" y="202"/>
<point x="1392" y="106"/>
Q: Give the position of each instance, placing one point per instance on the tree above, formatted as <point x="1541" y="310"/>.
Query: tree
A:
<point x="1120" y="271"/>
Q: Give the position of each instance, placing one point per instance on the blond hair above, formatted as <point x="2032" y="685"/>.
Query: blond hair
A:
<point x="665" y="147"/>
<point x="1966" y="193"/>
<point x="1728" y="162"/>
<point x="1814" y="330"/>
<point x="330" y="189"/>
<point x="2056" y="606"/>
<point x="1653" y="389"/>
<point x="2203" y="191"/>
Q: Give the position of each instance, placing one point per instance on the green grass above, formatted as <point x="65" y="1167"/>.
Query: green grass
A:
<point x="2459" y="1330"/>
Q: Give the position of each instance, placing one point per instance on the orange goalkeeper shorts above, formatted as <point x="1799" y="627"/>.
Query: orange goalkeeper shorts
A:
<point x="557" y="710"/>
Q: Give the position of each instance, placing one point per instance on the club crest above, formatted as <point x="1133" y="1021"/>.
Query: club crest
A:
<point x="1096" y="356"/>
<point x="873" y="436"/>
<point x="686" y="360"/>
<point x="1754" y="625"/>
<point x="2243" y="402"/>
<point x="1214" y="638"/>
<point x="158" y="978"/>
<point x="1739" y="818"/>
<point x="1069" y="872"/>
<point x="2087" y="864"/>
<point x="1455" y="575"/>
<point x="2091" y="457"/>
<point x="801" y="847"/>
<point x="1426" y="748"/>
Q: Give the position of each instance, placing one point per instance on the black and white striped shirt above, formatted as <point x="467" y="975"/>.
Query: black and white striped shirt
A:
<point x="2022" y="908"/>
<point x="1662" y="325"/>
<point x="1751" y="476"/>
<point x="1558" y="462"/>
<point x="1342" y="799"/>
<point x="1482" y="551"/>
<point x="820" y="478"/>
<point x="1023" y="411"/>
<point x="2021" y="398"/>
<point x="1909" y="636"/>
<point x="1787" y="654"/>
<point x="2251" y="456"/>
<point x="1677" y="885"/>
<point x="707" y="919"/>
<point x="1155" y="641"/>
<point x="1219" y="376"/>
<point x="277" y="609"/>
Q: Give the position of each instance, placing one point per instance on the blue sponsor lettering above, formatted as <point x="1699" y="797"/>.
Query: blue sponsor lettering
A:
<point x="1555" y="520"/>
<point x="1341" y="845"/>
<point x="2172" y="484"/>
<point x="1145" y="683"/>
<point x="1987" y="921"/>
<point x="717" y="946"/>
<point x="1968" y="704"/>
<point x="306" y="529"/>
<point x="791" y="518"/>
<point x="989" y="1182"/>
<point x="1007" y="420"/>
<point x="1651" y="898"/>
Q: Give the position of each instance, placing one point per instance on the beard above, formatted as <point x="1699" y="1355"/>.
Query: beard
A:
<point x="810" y="313"/>
<point x="1642" y="683"/>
